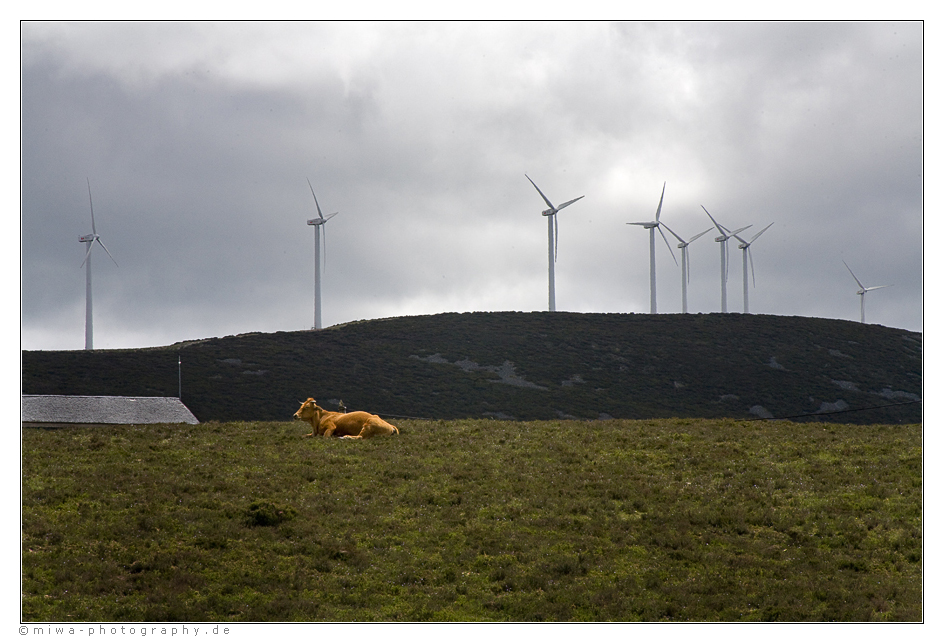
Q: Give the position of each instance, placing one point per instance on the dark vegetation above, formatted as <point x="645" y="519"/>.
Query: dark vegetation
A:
<point x="474" y="520"/>
<point x="523" y="366"/>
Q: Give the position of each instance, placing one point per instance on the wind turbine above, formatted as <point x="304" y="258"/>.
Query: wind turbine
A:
<point x="551" y="214"/>
<point x="318" y="223"/>
<point x="89" y="241"/>
<point x="686" y="269"/>
<point x="746" y="247"/>
<point x="723" y="240"/>
<point x="651" y="226"/>
<point x="862" y="291"/>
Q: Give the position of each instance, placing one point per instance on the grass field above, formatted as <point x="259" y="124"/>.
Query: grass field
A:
<point x="474" y="520"/>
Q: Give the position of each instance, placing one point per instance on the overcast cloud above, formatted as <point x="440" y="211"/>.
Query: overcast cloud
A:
<point x="197" y="140"/>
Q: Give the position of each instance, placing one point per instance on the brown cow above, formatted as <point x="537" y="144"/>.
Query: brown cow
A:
<point x="355" y="424"/>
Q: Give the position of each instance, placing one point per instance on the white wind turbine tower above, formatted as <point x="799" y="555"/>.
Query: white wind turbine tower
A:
<point x="318" y="222"/>
<point x="862" y="291"/>
<point x="686" y="269"/>
<point x="651" y="227"/>
<point x="723" y="240"/>
<point x="551" y="214"/>
<point x="746" y="247"/>
<point x="89" y="241"/>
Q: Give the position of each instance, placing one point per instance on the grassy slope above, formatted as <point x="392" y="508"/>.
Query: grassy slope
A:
<point x="581" y="365"/>
<point x="474" y="520"/>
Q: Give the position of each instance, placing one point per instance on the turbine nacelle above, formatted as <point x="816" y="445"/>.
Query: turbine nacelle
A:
<point x="88" y="238"/>
<point x="320" y="220"/>
<point x="548" y="213"/>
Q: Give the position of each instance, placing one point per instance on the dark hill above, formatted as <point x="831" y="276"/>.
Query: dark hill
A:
<point x="524" y="366"/>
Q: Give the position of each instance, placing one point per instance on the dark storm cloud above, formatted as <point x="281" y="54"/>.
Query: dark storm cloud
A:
<point x="197" y="140"/>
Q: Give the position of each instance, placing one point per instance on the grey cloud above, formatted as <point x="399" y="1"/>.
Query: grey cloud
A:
<point x="198" y="143"/>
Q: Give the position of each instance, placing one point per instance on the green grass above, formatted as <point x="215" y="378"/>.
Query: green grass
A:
<point x="474" y="520"/>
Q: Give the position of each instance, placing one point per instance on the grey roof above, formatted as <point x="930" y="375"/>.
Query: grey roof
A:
<point x="105" y="410"/>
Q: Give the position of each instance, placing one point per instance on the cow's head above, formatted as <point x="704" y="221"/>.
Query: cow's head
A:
<point x="308" y="410"/>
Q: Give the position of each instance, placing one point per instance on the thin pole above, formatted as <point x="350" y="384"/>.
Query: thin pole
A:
<point x="684" y="280"/>
<point x="551" y="304"/>
<point x="318" y="276"/>
<point x="745" y="281"/>
<point x="652" y="270"/>
<point x="88" y="297"/>
<point x="179" y="389"/>
<point x="724" y="286"/>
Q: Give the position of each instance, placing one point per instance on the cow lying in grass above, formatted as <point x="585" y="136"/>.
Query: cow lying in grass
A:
<point x="355" y="424"/>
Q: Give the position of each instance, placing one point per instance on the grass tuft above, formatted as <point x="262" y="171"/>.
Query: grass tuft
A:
<point x="267" y="513"/>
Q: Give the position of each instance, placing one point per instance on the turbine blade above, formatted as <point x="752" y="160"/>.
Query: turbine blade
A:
<point x="330" y="216"/>
<point x="720" y="229"/>
<point x="316" y="198"/>
<point x="742" y="228"/>
<point x="875" y="288"/>
<point x="87" y="253"/>
<point x="761" y="232"/>
<point x="853" y="275"/>
<point x="92" y="210"/>
<point x="555" y="236"/>
<point x="681" y="241"/>
<point x="567" y="203"/>
<point x="699" y="235"/>
<point x="750" y="257"/>
<point x="98" y="239"/>
<point x="659" y="209"/>
<point x="666" y="240"/>
<point x="546" y="200"/>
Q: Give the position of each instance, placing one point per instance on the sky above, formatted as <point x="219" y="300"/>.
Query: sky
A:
<point x="198" y="141"/>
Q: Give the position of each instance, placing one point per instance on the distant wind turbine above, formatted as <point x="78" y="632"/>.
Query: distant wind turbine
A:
<point x="862" y="291"/>
<point x="651" y="226"/>
<point x="551" y="214"/>
<point x="318" y="223"/>
<point x="89" y="241"/>
<point x="746" y="247"/>
<point x="686" y="268"/>
<point x="723" y="240"/>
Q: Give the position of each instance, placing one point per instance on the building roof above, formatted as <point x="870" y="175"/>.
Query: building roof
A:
<point x="105" y="410"/>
